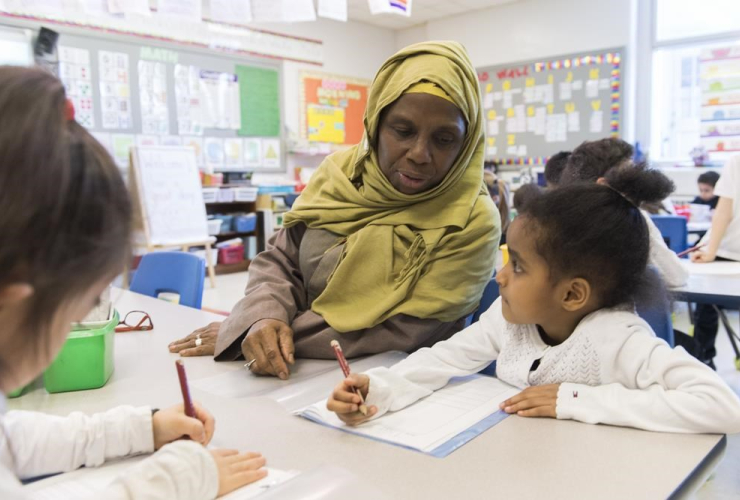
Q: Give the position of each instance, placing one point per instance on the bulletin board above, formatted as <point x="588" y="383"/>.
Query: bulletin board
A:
<point x="534" y="109"/>
<point x="136" y="91"/>
<point x="332" y="108"/>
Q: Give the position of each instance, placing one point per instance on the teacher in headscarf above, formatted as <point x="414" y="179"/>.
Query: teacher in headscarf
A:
<point x="393" y="240"/>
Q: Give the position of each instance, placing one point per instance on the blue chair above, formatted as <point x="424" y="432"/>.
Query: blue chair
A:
<point x="674" y="231"/>
<point x="490" y="294"/>
<point x="660" y="321"/>
<point x="178" y="272"/>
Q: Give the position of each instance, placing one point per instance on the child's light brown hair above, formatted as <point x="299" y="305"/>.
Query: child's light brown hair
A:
<point x="65" y="215"/>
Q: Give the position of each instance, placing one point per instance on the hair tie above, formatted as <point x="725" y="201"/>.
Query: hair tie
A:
<point x="623" y="196"/>
<point x="69" y="111"/>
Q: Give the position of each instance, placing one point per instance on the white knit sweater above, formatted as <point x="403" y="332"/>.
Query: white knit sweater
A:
<point x="612" y="370"/>
<point x="33" y="444"/>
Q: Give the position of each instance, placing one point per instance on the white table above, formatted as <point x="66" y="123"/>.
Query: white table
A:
<point x="518" y="458"/>
<point x="698" y="227"/>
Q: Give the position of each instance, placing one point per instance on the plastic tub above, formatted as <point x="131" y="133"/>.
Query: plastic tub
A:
<point x="210" y="195"/>
<point x="214" y="226"/>
<point x="227" y="221"/>
<point x="86" y="359"/>
<point x="231" y="255"/>
<point x="245" y="223"/>
<point x="246" y="194"/>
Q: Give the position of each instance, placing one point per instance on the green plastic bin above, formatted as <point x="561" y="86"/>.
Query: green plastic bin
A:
<point x="86" y="359"/>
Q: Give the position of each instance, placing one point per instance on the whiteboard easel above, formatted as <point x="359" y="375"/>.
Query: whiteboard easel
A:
<point x="166" y="193"/>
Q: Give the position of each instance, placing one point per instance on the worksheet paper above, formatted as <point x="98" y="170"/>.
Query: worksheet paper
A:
<point x="437" y="424"/>
<point x="90" y="482"/>
<point x="310" y="380"/>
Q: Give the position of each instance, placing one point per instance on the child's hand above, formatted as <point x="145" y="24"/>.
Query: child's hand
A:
<point x="172" y="424"/>
<point x="237" y="469"/>
<point x="535" y="401"/>
<point x="346" y="404"/>
<point x="702" y="256"/>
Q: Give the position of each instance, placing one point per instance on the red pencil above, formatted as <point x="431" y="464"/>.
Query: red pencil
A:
<point x="689" y="250"/>
<point x="189" y="408"/>
<point x="345" y="369"/>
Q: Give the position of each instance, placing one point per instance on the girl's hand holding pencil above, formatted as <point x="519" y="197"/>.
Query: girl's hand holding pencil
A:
<point x="345" y="402"/>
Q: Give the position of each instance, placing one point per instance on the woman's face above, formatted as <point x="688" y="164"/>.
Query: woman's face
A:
<point x="419" y="138"/>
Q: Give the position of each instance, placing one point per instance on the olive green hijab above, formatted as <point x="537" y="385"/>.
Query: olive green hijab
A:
<point x="427" y="255"/>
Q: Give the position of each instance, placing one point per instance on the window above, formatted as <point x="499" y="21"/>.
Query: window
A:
<point x="695" y="81"/>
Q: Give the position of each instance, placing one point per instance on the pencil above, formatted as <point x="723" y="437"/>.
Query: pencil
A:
<point x="187" y="402"/>
<point x="345" y="369"/>
<point x="689" y="250"/>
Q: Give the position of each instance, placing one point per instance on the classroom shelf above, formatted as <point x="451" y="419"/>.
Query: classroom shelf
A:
<point x="233" y="268"/>
<point x="234" y="234"/>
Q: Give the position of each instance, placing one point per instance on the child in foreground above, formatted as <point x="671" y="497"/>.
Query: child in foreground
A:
<point x="65" y="224"/>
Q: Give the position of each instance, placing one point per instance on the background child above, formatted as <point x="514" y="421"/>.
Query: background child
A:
<point x="564" y="326"/>
<point x="499" y="193"/>
<point x="524" y="195"/>
<point x="554" y="168"/>
<point x="722" y="243"/>
<point x="706" y="183"/>
<point x="65" y="221"/>
<point x="590" y="162"/>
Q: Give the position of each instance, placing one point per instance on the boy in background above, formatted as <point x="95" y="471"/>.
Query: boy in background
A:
<point x="706" y="183"/>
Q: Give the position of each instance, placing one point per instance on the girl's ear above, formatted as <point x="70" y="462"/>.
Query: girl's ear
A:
<point x="11" y="295"/>
<point x="577" y="294"/>
<point x="602" y="181"/>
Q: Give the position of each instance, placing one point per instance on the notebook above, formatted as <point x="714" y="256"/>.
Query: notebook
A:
<point x="436" y="425"/>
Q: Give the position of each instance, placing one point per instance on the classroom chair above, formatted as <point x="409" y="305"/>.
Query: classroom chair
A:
<point x="660" y="321"/>
<point x="179" y="272"/>
<point x="490" y="294"/>
<point x="674" y="231"/>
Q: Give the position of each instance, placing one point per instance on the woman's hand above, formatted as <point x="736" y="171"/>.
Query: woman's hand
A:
<point x="207" y="335"/>
<point x="270" y="344"/>
<point x="702" y="257"/>
<point x="172" y="424"/>
<point x="237" y="469"/>
<point x="535" y="401"/>
<point x="346" y="404"/>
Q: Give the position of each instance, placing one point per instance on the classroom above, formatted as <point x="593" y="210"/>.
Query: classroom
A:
<point x="369" y="249"/>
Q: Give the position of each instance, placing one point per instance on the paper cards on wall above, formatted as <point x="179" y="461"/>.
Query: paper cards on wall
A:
<point x="115" y="93"/>
<point x="76" y="75"/>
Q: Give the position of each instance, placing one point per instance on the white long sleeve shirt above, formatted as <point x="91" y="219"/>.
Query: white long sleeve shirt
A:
<point x="34" y="444"/>
<point x="611" y="370"/>
<point x="664" y="259"/>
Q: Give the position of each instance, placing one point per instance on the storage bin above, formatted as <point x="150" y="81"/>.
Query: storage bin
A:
<point x="245" y="194"/>
<point x="231" y="255"/>
<point x="226" y="195"/>
<point x="227" y="222"/>
<point x="214" y="226"/>
<point x="210" y="195"/>
<point x="85" y="361"/>
<point x="245" y="223"/>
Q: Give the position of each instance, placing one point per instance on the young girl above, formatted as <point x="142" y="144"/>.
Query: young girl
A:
<point x="65" y="220"/>
<point x="564" y="329"/>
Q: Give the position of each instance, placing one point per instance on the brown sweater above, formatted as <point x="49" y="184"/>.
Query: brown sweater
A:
<point x="285" y="279"/>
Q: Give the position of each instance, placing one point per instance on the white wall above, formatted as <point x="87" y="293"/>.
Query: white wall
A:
<point x="350" y="49"/>
<point x="530" y="29"/>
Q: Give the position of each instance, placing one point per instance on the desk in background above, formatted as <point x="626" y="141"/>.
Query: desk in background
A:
<point x="518" y="458"/>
